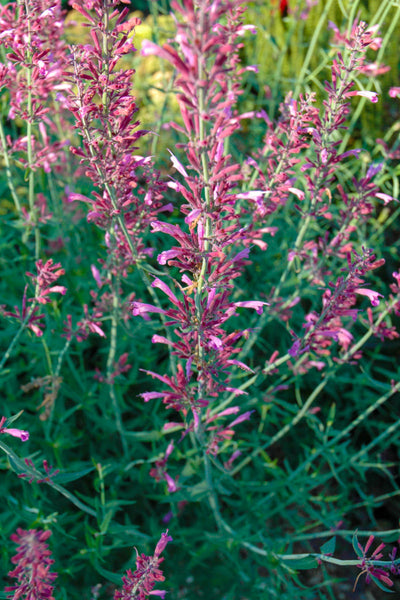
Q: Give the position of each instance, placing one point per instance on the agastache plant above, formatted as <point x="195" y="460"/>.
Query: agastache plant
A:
<point x="208" y="249"/>
<point x="302" y="127"/>
<point x="127" y="194"/>
<point x="128" y="191"/>
<point x="28" y="316"/>
<point x="222" y="217"/>
<point x="31" y="36"/>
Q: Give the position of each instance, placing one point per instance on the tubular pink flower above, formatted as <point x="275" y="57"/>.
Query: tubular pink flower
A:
<point x="19" y="433"/>
<point x="337" y="302"/>
<point x="373" y="96"/>
<point x="141" y="308"/>
<point x="385" y="197"/>
<point x="256" y="304"/>
<point x="373" y="296"/>
<point x="178" y="165"/>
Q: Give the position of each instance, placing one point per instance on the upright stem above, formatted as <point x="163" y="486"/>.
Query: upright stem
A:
<point x="29" y="132"/>
<point x="10" y="181"/>
<point x="111" y="362"/>
<point x="14" y="341"/>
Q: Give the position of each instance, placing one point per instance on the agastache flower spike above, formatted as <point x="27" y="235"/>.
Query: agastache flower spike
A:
<point x="33" y="562"/>
<point x="129" y="189"/>
<point x="338" y="301"/>
<point x="205" y="55"/>
<point x="139" y="584"/>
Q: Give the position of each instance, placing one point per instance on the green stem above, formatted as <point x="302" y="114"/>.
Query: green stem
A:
<point x="10" y="182"/>
<point x="300" y="414"/>
<point x="110" y="364"/>
<point x="23" y="325"/>
<point x="29" y="133"/>
<point x="19" y="466"/>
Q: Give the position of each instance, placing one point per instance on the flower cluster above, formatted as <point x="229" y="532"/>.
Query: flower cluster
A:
<point x="129" y="192"/>
<point x="47" y="274"/>
<point x="33" y="562"/>
<point x="377" y="573"/>
<point x="31" y="33"/>
<point x="302" y="126"/>
<point x="338" y="301"/>
<point x="160" y="473"/>
<point x="205" y="56"/>
<point x="89" y="324"/>
<point x="35" y="475"/>
<point x="139" y="584"/>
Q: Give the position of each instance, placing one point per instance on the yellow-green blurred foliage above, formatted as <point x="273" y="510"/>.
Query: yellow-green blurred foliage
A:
<point x="153" y="78"/>
<point x="75" y="32"/>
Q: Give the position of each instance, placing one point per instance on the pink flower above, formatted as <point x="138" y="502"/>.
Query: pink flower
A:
<point x="19" y="433"/>
<point x="178" y="165"/>
<point x="47" y="274"/>
<point x="256" y="304"/>
<point x="394" y="92"/>
<point x="373" y="96"/>
<point x="373" y="296"/>
<point x="385" y="197"/>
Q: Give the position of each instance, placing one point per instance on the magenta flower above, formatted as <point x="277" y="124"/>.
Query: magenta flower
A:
<point x="19" y="433"/>
<point x="366" y="565"/>
<point x="47" y="274"/>
<point x="373" y="296"/>
<point x="338" y="301"/>
<point x="139" y="584"/>
<point x="33" y="562"/>
<point x="27" y="315"/>
<point x="160" y="473"/>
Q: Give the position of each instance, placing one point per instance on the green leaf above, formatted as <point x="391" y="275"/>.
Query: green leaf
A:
<point x="14" y="418"/>
<point x="67" y="477"/>
<point x="16" y="463"/>
<point x="73" y="499"/>
<point x="144" y="436"/>
<point x="304" y="562"/>
<point x="106" y="522"/>
<point x="128" y="531"/>
<point x="390" y="536"/>
<point x="356" y="547"/>
<point x="117" y="579"/>
<point x="329" y="546"/>
<point x="380" y="584"/>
